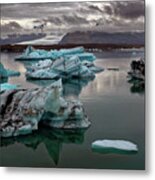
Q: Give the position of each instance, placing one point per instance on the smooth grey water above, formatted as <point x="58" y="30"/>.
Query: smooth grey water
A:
<point x="116" y="111"/>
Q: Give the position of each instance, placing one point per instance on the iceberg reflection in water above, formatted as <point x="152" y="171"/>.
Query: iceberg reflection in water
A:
<point x="53" y="139"/>
<point x="71" y="87"/>
<point x="137" y="86"/>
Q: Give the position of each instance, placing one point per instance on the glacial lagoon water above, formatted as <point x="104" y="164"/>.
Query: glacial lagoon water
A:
<point x="114" y="106"/>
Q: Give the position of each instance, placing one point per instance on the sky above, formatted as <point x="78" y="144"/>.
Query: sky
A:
<point x="112" y="16"/>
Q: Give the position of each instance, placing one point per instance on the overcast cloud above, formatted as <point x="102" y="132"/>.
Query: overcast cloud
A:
<point x="103" y="16"/>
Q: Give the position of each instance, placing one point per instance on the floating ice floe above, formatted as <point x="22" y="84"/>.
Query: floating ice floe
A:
<point x="40" y="54"/>
<point x="66" y="68"/>
<point x="7" y="86"/>
<point x="114" y="146"/>
<point x="5" y="73"/>
<point x="22" y="109"/>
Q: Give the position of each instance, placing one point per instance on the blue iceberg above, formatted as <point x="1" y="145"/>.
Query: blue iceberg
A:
<point x="65" y="68"/>
<point x="7" y="86"/>
<point x="40" y="54"/>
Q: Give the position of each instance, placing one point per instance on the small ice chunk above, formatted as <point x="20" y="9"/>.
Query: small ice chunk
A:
<point x="7" y="86"/>
<point x="114" y="146"/>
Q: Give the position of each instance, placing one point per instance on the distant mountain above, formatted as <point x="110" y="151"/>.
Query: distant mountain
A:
<point x="91" y="37"/>
<point x="17" y="38"/>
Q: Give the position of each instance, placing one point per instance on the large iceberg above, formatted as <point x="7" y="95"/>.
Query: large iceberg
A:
<point x="106" y="146"/>
<point x="40" y="54"/>
<point x="137" y="71"/>
<point x="66" y="68"/>
<point x="21" y="110"/>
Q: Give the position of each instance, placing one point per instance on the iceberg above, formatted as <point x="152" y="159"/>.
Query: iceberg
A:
<point x="29" y="107"/>
<point x="7" y="86"/>
<point x="92" y="67"/>
<point x="39" y="54"/>
<point x="114" y="146"/>
<point x="137" y="71"/>
<point x="64" y="68"/>
<point x="84" y="56"/>
<point x="42" y="74"/>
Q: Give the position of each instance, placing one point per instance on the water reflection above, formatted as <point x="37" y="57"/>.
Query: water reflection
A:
<point x="137" y="86"/>
<point x="71" y="87"/>
<point x="113" y="151"/>
<point x="3" y="80"/>
<point x="53" y="139"/>
<point x="74" y="87"/>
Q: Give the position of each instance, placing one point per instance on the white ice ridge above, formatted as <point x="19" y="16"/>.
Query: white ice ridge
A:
<point x="117" y="144"/>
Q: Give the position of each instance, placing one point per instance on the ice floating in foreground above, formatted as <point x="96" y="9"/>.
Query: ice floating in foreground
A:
<point x="114" y="146"/>
<point x="21" y="110"/>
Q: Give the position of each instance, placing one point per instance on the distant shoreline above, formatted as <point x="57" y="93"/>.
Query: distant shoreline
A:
<point x="21" y="47"/>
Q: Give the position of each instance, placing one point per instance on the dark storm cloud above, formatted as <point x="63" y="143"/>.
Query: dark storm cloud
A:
<point x="129" y="10"/>
<point x="54" y="20"/>
<point x="74" y="19"/>
<point x="35" y="10"/>
<point x="96" y="8"/>
<point x="108" y="9"/>
<point x="11" y="26"/>
<point x="68" y="19"/>
<point x="112" y="13"/>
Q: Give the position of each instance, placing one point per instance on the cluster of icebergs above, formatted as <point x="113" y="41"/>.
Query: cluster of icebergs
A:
<point x="29" y="107"/>
<point x="64" y="68"/>
<point x="40" y="54"/>
<point x="23" y="110"/>
<point x="64" y="63"/>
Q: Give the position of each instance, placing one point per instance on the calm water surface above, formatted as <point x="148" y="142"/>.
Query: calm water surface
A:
<point x="116" y="111"/>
